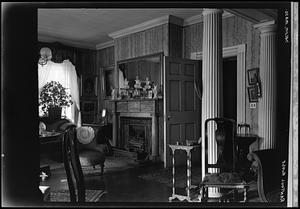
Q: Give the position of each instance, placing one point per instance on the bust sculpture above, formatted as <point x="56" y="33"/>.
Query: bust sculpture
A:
<point x="137" y="84"/>
<point x="147" y="85"/>
<point x="126" y="85"/>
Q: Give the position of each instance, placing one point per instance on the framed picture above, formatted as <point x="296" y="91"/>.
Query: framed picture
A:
<point x="253" y="76"/>
<point x="89" y="85"/>
<point x="252" y="93"/>
<point x="89" y="106"/>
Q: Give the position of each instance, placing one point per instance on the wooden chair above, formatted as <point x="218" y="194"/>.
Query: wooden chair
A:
<point x="244" y="139"/>
<point x="72" y="165"/>
<point x="227" y="179"/>
<point x="244" y="126"/>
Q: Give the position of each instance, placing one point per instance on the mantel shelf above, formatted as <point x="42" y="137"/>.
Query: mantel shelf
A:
<point x="129" y="100"/>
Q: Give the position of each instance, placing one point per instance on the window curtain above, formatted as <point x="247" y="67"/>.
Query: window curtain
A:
<point x="65" y="74"/>
<point x="61" y="52"/>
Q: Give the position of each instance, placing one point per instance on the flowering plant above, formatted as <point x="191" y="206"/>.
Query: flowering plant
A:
<point x="53" y="94"/>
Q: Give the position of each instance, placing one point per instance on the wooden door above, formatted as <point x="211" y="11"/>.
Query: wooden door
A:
<point x="181" y="103"/>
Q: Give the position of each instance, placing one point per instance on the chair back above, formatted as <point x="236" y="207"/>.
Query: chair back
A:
<point x="72" y="164"/>
<point x="225" y="138"/>
<point x="244" y="126"/>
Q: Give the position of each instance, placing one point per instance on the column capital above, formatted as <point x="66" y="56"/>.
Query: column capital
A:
<point x="211" y="11"/>
<point x="266" y="27"/>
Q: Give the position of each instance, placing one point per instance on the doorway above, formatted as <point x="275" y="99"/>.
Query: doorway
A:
<point x="230" y="87"/>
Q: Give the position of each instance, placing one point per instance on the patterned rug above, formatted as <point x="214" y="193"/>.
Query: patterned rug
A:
<point x="164" y="176"/>
<point x="64" y="195"/>
<point x="111" y="164"/>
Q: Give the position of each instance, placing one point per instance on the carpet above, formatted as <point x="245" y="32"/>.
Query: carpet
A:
<point x="164" y="176"/>
<point x="111" y="164"/>
<point x="64" y="195"/>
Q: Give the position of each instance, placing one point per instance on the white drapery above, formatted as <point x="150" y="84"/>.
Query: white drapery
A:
<point x="65" y="74"/>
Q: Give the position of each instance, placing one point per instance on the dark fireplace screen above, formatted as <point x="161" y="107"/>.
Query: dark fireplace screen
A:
<point x="136" y="134"/>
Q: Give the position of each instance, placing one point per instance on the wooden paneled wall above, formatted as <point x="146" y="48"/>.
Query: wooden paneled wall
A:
<point x="105" y="58"/>
<point x="142" y="43"/>
<point x="87" y="61"/>
<point x="175" y="40"/>
<point x="235" y="31"/>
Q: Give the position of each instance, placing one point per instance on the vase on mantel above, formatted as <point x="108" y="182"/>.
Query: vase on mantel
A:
<point x="54" y="113"/>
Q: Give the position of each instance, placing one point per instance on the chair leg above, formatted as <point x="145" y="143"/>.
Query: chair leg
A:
<point x="235" y="194"/>
<point x="102" y="169"/>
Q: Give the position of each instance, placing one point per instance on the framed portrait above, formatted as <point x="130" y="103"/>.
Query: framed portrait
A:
<point x="253" y="76"/>
<point x="252" y="93"/>
<point x="89" y="85"/>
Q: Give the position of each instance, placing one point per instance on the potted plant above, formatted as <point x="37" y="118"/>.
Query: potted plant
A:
<point x="52" y="98"/>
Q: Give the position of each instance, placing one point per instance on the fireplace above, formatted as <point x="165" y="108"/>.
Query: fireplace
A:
<point x="135" y="127"/>
<point x="135" y="134"/>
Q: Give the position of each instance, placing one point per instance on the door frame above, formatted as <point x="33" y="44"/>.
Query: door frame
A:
<point x="240" y="52"/>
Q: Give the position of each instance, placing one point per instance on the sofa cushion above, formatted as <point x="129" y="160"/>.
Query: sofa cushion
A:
<point x="222" y="178"/>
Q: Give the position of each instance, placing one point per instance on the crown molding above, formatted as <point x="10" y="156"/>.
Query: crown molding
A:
<point x="243" y="15"/>
<point x="146" y="25"/>
<point x="45" y="38"/>
<point x="105" y="45"/>
<point x="226" y="52"/>
<point x="264" y="24"/>
<point x="199" y="18"/>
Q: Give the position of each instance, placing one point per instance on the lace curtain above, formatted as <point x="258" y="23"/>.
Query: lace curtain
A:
<point x="65" y="74"/>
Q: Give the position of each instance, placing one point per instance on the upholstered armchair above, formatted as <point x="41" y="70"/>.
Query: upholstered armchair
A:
<point x="267" y="167"/>
<point x="91" y="153"/>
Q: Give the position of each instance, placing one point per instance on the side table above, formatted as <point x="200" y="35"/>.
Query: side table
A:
<point x="188" y="197"/>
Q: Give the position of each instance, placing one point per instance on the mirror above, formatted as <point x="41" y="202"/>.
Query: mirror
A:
<point x="142" y="67"/>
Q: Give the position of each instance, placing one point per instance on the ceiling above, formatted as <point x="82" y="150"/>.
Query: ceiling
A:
<point x="88" y="28"/>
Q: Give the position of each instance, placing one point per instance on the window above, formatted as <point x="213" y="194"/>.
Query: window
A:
<point x="65" y="74"/>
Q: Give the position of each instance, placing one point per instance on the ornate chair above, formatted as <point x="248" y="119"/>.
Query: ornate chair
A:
<point x="244" y="126"/>
<point x="72" y="164"/>
<point x="227" y="179"/>
<point x="266" y="164"/>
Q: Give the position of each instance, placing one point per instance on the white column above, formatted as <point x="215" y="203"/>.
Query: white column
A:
<point x="212" y="74"/>
<point x="293" y="171"/>
<point x="267" y="68"/>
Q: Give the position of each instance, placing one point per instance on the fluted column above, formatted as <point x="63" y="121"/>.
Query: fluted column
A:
<point x="212" y="74"/>
<point x="267" y="103"/>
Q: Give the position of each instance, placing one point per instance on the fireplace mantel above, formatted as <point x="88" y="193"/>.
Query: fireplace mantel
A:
<point x="143" y="108"/>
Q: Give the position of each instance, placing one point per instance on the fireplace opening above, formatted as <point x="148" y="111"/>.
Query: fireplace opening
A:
<point x="136" y="136"/>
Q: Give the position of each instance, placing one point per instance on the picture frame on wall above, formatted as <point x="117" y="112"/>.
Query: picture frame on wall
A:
<point x="89" y="85"/>
<point x="253" y="76"/>
<point x="252" y="93"/>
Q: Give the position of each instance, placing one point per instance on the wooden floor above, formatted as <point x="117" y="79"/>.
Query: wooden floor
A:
<point x="123" y="187"/>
